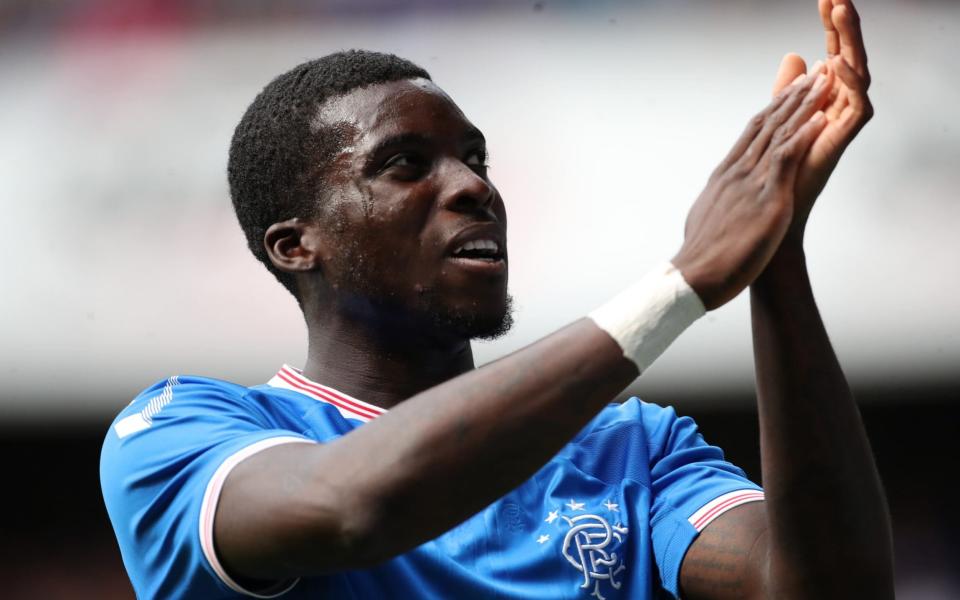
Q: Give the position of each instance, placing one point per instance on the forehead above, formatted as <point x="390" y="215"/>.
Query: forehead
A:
<point x="393" y="108"/>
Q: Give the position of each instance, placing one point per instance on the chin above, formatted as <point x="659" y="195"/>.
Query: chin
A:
<point x="474" y="323"/>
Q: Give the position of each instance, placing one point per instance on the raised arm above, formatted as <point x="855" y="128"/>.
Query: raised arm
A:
<point x="442" y="455"/>
<point x="829" y="524"/>
<point x="824" y="530"/>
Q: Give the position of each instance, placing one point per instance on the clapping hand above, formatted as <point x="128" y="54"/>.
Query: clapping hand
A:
<point x="848" y="107"/>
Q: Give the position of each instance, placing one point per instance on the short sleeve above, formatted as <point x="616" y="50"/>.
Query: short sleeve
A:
<point x="691" y="484"/>
<point x="163" y="463"/>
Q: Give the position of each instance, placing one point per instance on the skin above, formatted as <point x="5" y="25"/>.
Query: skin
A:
<point x="824" y="531"/>
<point x="375" y="269"/>
<point x="372" y="333"/>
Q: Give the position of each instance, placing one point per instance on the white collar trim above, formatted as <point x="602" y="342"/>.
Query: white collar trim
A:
<point x="291" y="378"/>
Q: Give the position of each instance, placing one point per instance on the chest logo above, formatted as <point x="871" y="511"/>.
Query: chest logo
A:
<point x="590" y="544"/>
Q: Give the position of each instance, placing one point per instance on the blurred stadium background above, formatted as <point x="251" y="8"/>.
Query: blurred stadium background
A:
<point x="124" y="263"/>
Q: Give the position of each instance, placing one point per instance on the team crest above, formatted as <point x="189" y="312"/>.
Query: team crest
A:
<point x="590" y="544"/>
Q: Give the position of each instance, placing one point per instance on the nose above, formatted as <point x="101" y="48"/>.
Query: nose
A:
<point x="465" y="190"/>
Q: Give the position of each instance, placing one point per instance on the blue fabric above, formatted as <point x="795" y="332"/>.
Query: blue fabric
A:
<point x="606" y="517"/>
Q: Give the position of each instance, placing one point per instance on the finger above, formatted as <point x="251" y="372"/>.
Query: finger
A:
<point x="850" y="7"/>
<point x="793" y="97"/>
<point x="855" y="83"/>
<point x="812" y="103"/>
<point x="791" y="67"/>
<point x="749" y="134"/>
<point x="787" y="158"/>
<point x="859" y="109"/>
<point x="833" y="38"/>
<point x="847" y="23"/>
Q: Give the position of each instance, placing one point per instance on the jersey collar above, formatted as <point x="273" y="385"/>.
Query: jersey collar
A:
<point x="291" y="378"/>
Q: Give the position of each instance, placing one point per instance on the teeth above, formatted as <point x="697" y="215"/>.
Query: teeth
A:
<point x="487" y="245"/>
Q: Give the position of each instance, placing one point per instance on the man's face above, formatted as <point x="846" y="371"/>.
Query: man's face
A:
<point x="417" y="227"/>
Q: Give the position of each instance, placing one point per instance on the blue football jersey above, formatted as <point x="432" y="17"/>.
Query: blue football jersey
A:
<point x="610" y="516"/>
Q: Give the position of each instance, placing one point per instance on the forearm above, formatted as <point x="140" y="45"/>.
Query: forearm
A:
<point x="829" y="529"/>
<point x="420" y="469"/>
<point x="459" y="446"/>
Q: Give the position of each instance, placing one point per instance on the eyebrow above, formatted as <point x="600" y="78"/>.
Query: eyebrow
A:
<point x="474" y="135"/>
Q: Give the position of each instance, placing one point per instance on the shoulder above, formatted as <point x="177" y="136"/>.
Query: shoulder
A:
<point x="157" y="396"/>
<point x="623" y="441"/>
<point x="193" y="401"/>
<point x="192" y="384"/>
<point x="163" y="462"/>
<point x="651" y="421"/>
<point x="151" y="402"/>
<point x="186" y="419"/>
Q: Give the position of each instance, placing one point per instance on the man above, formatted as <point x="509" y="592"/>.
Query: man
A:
<point x="390" y="467"/>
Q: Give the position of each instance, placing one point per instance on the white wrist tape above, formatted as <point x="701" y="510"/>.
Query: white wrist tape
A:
<point x="646" y="317"/>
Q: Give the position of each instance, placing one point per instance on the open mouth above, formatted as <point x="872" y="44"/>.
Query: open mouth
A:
<point x="482" y="256"/>
<point x="484" y="250"/>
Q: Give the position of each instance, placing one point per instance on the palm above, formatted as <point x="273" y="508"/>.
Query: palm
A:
<point x="847" y="107"/>
<point x="825" y="151"/>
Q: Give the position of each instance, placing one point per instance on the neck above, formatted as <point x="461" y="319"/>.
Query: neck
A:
<point x="378" y="360"/>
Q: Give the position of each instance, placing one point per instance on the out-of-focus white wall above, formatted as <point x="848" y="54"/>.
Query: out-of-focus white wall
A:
<point x="124" y="263"/>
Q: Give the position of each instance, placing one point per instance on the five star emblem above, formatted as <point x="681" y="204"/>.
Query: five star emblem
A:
<point x="574" y="505"/>
<point x="553" y="516"/>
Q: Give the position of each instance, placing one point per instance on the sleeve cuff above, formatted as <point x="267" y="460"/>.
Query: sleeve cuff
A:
<point x="208" y="510"/>
<point x="672" y="553"/>
<point x="716" y="507"/>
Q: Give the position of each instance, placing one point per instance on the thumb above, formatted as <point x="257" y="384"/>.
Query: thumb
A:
<point x="791" y="67"/>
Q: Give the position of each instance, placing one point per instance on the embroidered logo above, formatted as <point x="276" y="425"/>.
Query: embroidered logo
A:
<point x="590" y="544"/>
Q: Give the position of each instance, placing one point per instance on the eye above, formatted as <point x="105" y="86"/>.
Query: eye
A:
<point x="400" y="160"/>
<point x="405" y="165"/>
<point x="477" y="159"/>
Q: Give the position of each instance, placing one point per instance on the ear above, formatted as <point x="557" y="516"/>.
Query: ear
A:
<point x="295" y="245"/>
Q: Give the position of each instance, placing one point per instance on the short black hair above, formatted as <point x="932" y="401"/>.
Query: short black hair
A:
<point x="278" y="154"/>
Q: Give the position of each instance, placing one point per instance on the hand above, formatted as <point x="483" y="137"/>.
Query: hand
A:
<point x="848" y="108"/>
<point x="740" y="218"/>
